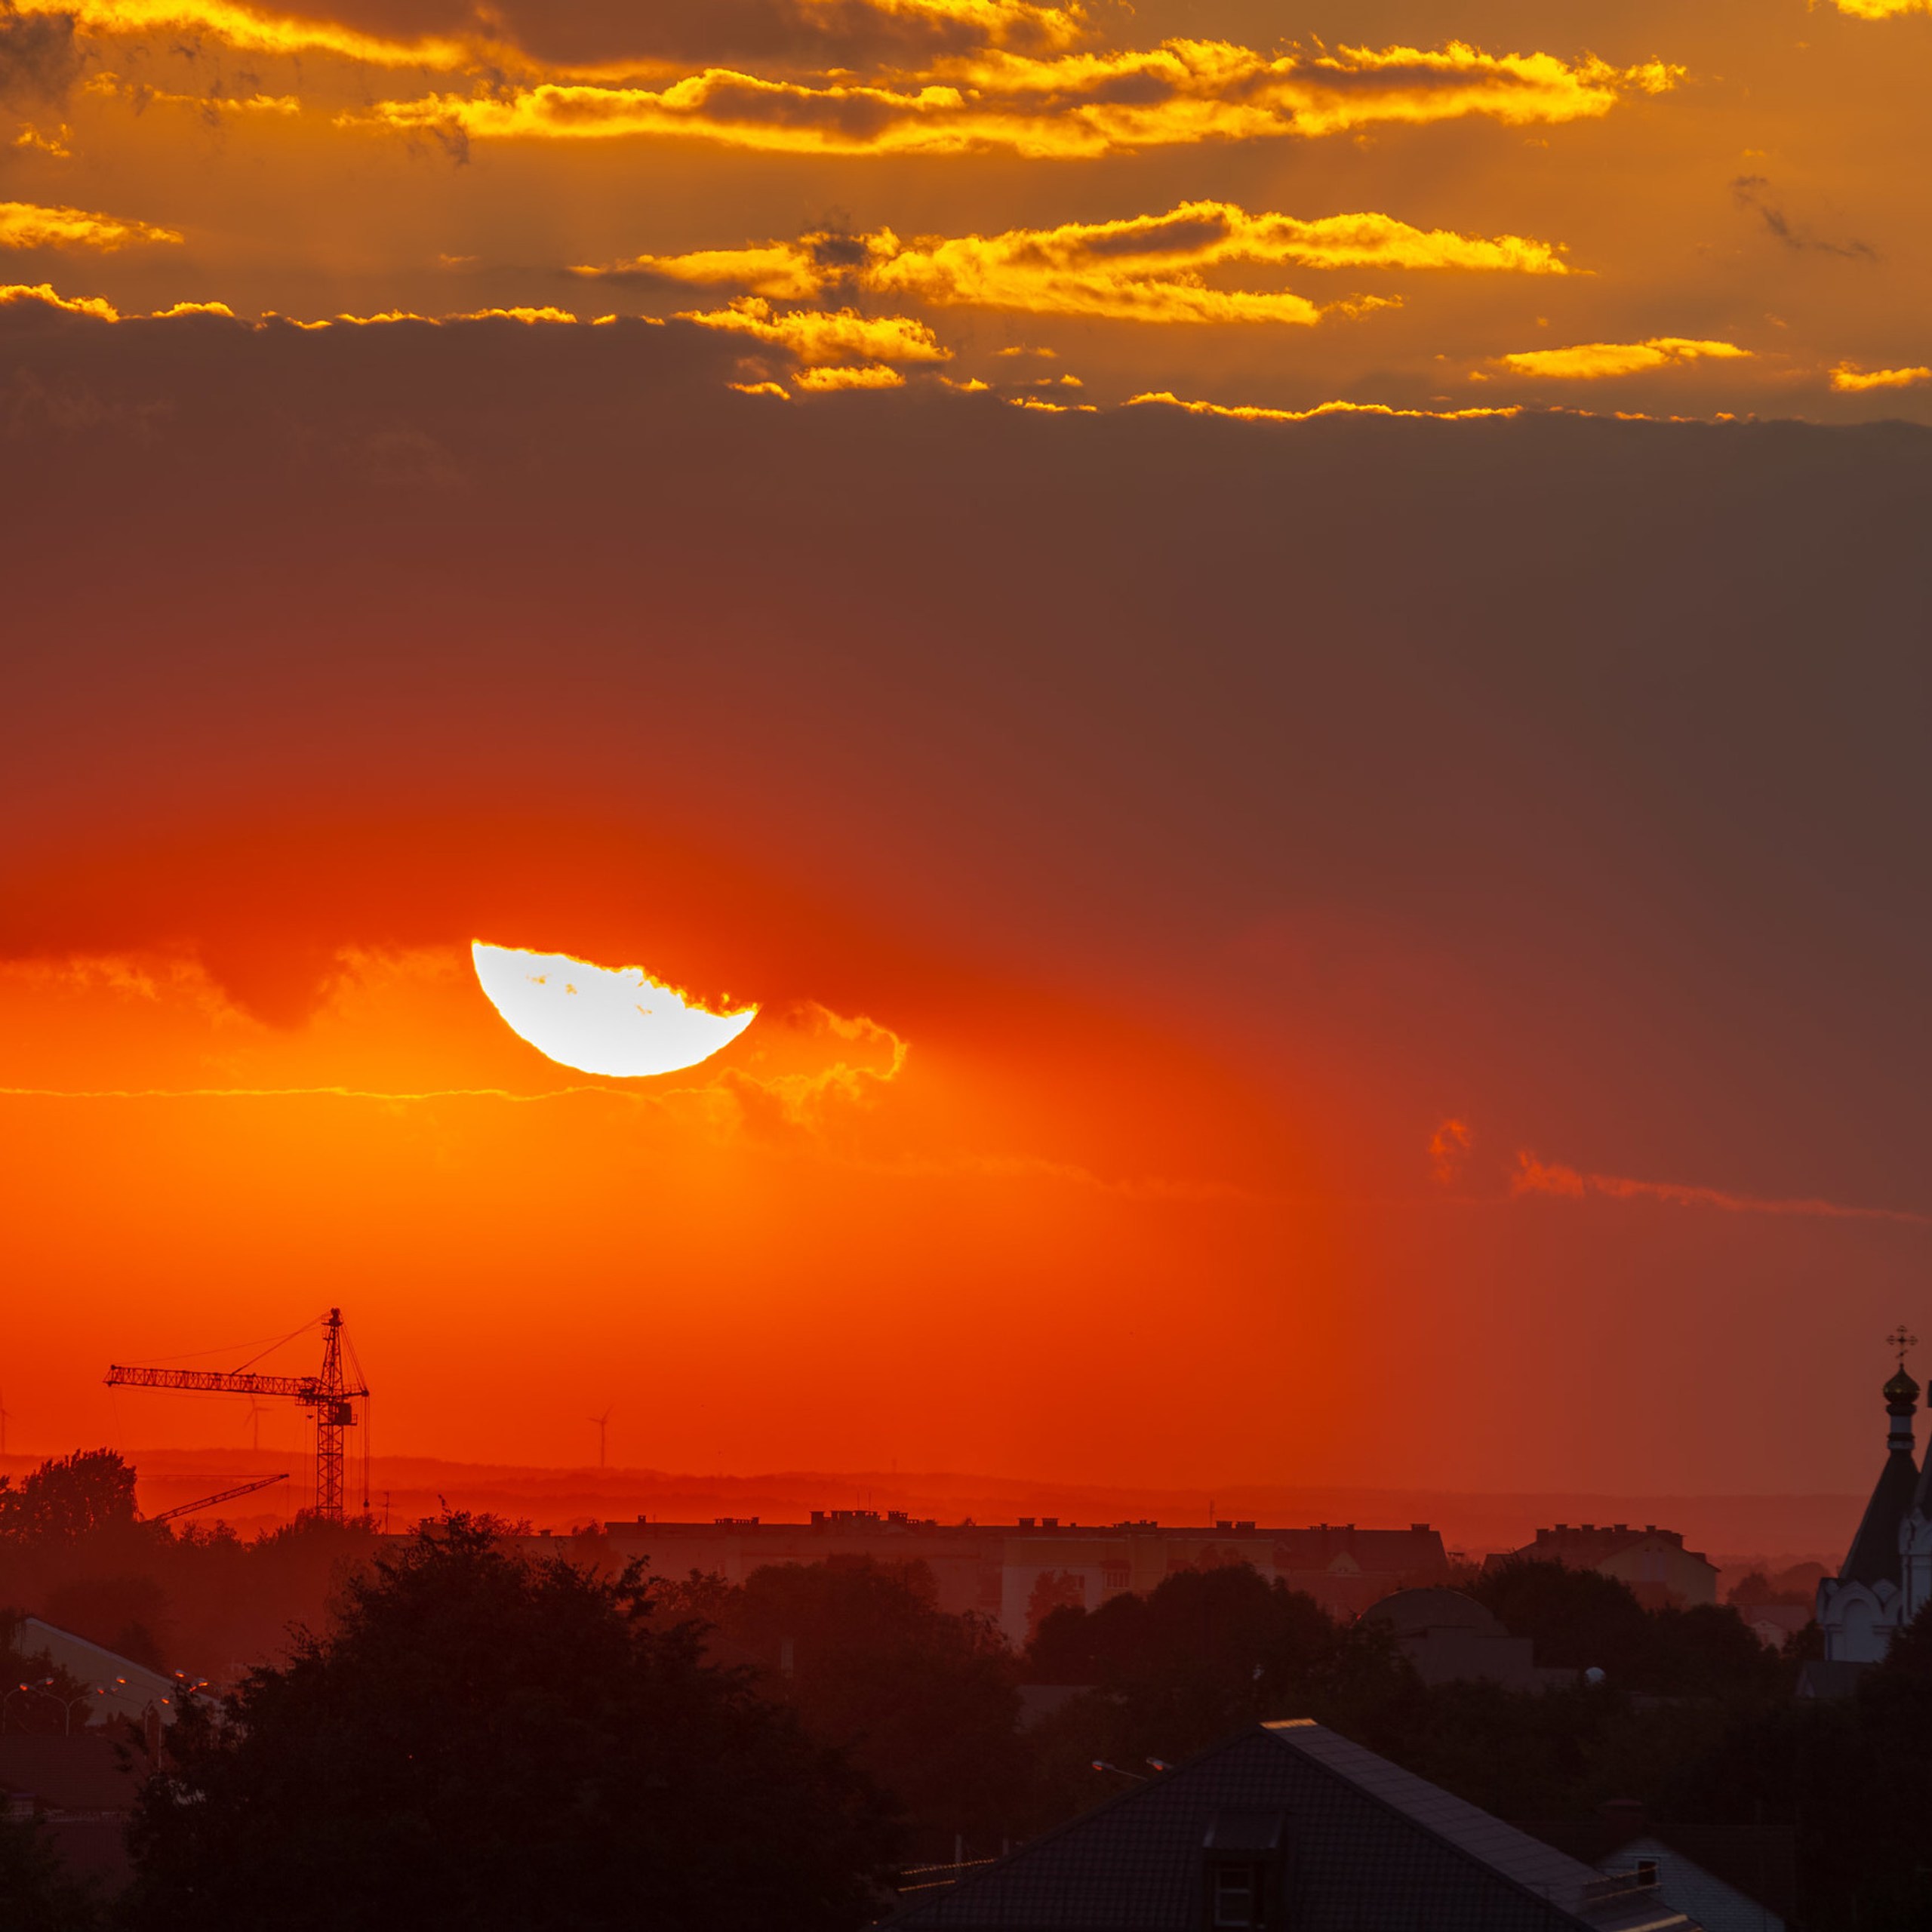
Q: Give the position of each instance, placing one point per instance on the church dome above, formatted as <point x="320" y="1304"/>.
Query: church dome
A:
<point x="1901" y="1392"/>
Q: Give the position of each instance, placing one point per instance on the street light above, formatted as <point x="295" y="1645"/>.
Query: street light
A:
<point x="17" y="1690"/>
<point x="45" y="1687"/>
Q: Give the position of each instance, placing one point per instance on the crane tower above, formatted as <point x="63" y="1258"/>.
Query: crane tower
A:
<point x="329" y="1394"/>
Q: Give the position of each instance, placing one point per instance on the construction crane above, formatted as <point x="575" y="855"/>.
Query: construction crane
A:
<point x="329" y="1394"/>
<point x="221" y="1496"/>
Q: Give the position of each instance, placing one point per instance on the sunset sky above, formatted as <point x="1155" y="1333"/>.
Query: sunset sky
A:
<point x="1286" y="651"/>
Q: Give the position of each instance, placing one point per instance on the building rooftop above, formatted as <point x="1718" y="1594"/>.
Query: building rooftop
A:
<point x="1363" y="1842"/>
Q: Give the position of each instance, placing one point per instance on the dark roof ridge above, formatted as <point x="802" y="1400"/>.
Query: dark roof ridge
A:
<point x="1028" y="1846"/>
<point x="1586" y="1873"/>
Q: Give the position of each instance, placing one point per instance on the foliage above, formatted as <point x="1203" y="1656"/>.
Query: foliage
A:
<point x="1582" y="1620"/>
<point x="72" y="1551"/>
<point x="486" y="1741"/>
<point x="36" y="1895"/>
<point x="128" y="1615"/>
<point x="66" y="1498"/>
<point x="30" y="1711"/>
<point x="924" y="1701"/>
<point x="1203" y="1653"/>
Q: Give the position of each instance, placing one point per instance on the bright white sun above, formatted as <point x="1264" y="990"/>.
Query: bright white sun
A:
<point x="600" y="1019"/>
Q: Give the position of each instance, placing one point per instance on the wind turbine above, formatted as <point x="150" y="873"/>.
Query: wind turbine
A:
<point x="255" y="1425"/>
<point x="603" y="1422"/>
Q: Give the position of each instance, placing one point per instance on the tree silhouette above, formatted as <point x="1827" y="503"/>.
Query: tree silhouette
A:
<point x="485" y="1741"/>
<point x="922" y="1700"/>
<point x="68" y="1497"/>
<point x="36" y="1895"/>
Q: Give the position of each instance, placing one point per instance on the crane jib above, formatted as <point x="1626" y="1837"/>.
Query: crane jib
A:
<point x="329" y="1394"/>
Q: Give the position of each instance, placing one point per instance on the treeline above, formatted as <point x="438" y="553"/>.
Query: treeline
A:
<point x="474" y="1737"/>
<point x="74" y="1551"/>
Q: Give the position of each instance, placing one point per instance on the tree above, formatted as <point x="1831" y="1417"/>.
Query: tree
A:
<point x="68" y="1497"/>
<point x="36" y="1895"/>
<point x="1202" y="1653"/>
<point x="128" y="1615"/>
<point x="487" y="1741"/>
<point x="1581" y="1618"/>
<point x="923" y="1700"/>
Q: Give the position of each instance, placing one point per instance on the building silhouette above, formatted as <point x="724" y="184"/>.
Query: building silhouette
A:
<point x="1658" y="1570"/>
<point x="1887" y="1576"/>
<point x="1290" y="1825"/>
<point x="1015" y="1573"/>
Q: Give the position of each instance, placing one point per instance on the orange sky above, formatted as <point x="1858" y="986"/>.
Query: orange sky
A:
<point x="1347" y="949"/>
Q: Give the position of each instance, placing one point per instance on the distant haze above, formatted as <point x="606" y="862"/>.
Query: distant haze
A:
<point x="1785" y="1528"/>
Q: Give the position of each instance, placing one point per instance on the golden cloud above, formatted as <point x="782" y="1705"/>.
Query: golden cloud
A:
<point x="25" y="225"/>
<point x="207" y="105"/>
<point x="252" y="31"/>
<point x="1881" y="9"/>
<point x="1848" y="375"/>
<point x="105" y="311"/>
<point x="1148" y="269"/>
<point x="1253" y="413"/>
<point x="842" y="28"/>
<point x="818" y="336"/>
<point x="1182" y="93"/>
<point x="44" y="293"/>
<point x="1589" y="361"/>
<point x="865" y="376"/>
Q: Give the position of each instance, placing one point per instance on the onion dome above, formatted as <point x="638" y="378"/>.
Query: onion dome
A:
<point x="1901" y="1393"/>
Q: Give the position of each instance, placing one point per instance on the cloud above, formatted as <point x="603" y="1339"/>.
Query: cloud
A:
<point x="865" y="376"/>
<point x="249" y="30"/>
<point x="1449" y="1149"/>
<point x="25" y="225"/>
<point x="1749" y="189"/>
<point x="1849" y="375"/>
<point x="818" y="35"/>
<point x="865" y="1058"/>
<point x="1181" y="94"/>
<point x="536" y="39"/>
<point x="98" y="307"/>
<point x="1881" y="9"/>
<point x="1253" y="413"/>
<point x="818" y="336"/>
<point x="1535" y="1177"/>
<point x="1147" y="268"/>
<point x="1590" y="362"/>
<point x="39" y="63"/>
<point x="211" y="106"/>
<point x="19" y="293"/>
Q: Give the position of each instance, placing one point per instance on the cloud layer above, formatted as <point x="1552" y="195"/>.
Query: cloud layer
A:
<point x="1146" y="269"/>
<point x="25" y="225"/>
<point x="1592" y="361"/>
<point x="1182" y="94"/>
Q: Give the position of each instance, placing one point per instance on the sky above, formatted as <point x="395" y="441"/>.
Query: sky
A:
<point x="1287" y="656"/>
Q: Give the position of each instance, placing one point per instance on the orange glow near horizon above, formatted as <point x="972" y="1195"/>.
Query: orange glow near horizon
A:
<point x="1215" y="622"/>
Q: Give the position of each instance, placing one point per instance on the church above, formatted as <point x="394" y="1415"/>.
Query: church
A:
<point x="1887" y="1579"/>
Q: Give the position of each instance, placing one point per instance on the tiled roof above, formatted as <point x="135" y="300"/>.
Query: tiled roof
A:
<point x="1368" y="1846"/>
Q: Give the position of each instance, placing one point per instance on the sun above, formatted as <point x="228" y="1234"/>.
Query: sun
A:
<point x="616" y="1020"/>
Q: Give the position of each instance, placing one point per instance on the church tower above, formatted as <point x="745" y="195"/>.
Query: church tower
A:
<point x="1859" y="1608"/>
